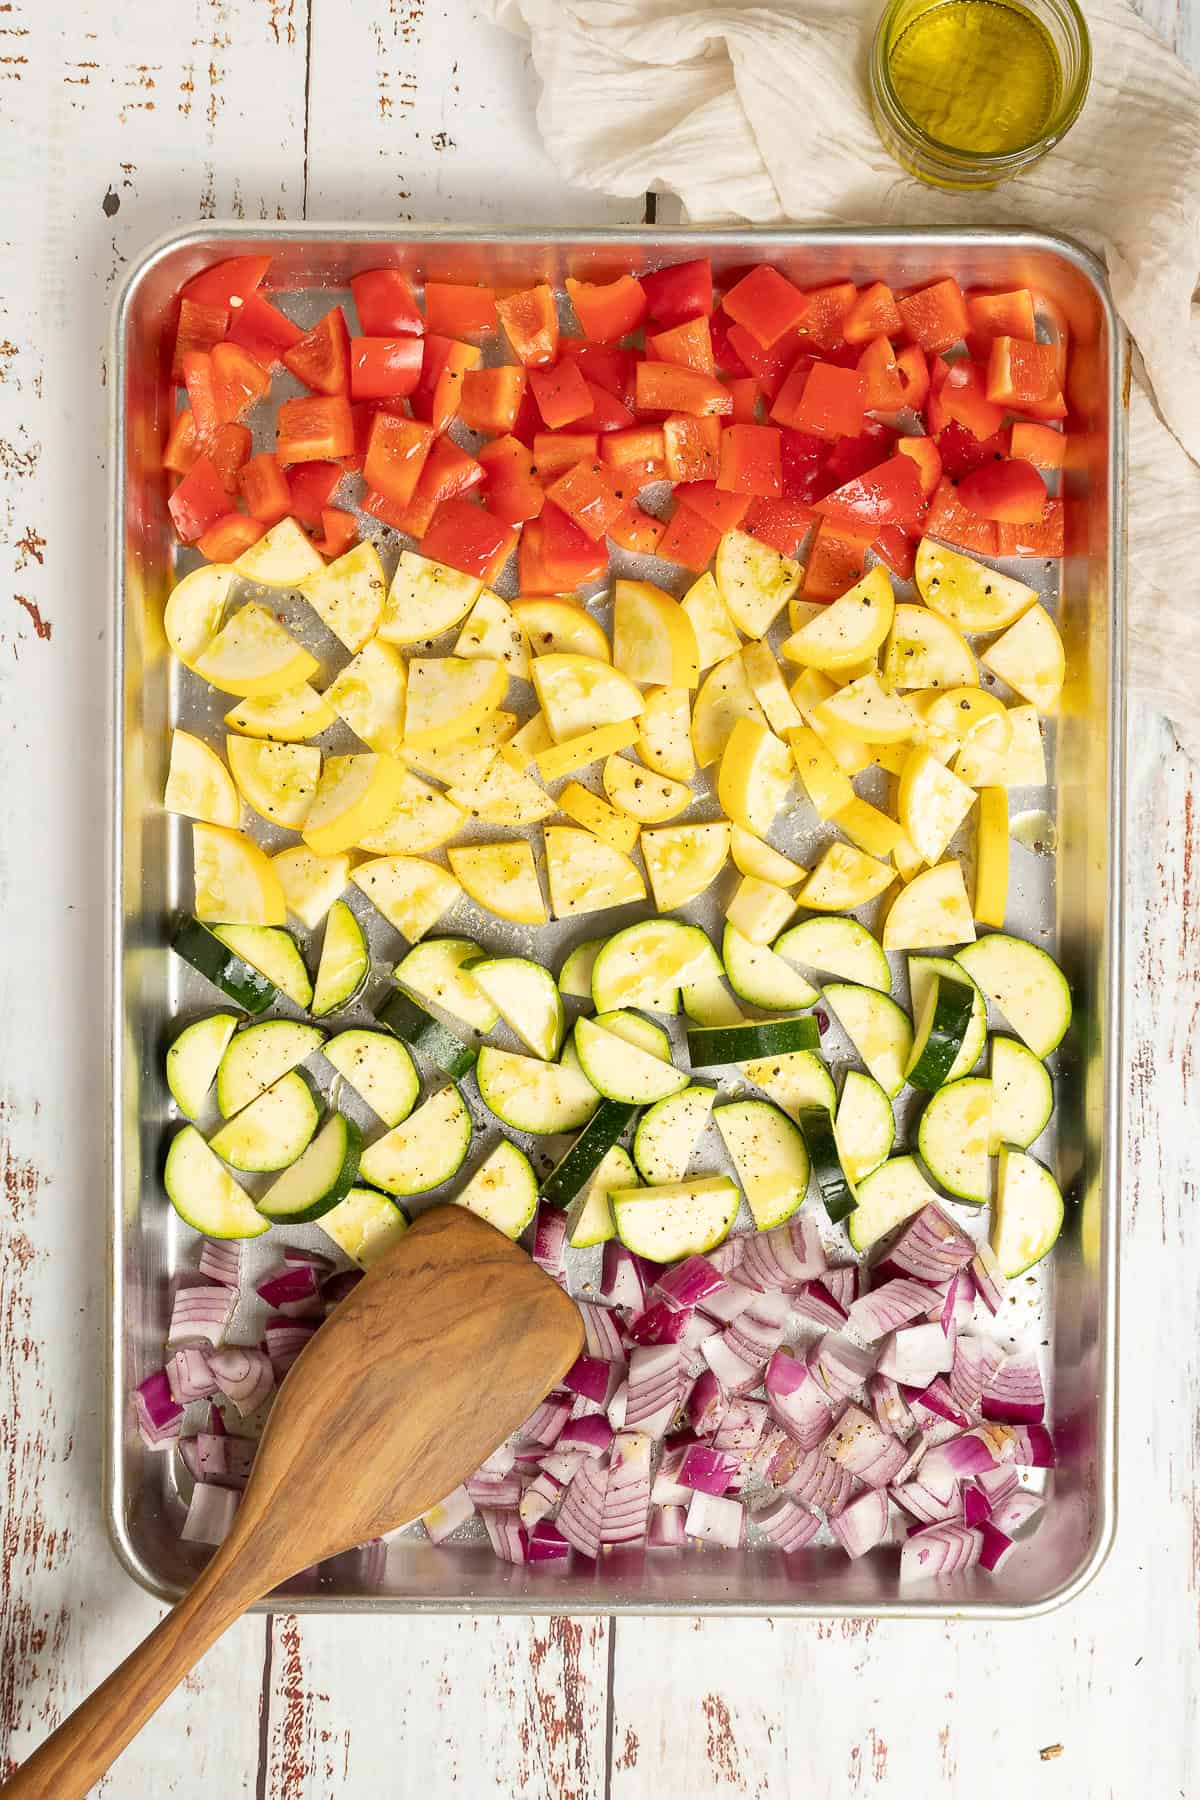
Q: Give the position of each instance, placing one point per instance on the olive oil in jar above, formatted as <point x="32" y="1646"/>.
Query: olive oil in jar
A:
<point x="979" y="76"/>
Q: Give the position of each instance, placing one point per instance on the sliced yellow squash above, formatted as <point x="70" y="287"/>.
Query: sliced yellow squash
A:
<point x="848" y="631"/>
<point x="650" y="799"/>
<point x="823" y="779"/>
<point x="311" y="883"/>
<point x="504" y="797"/>
<point x="577" y="693"/>
<point x="908" y="862"/>
<point x="586" y="875"/>
<point x="194" y="610"/>
<point x="925" y="651"/>
<point x="665" y="740"/>
<point x="236" y="883"/>
<point x="725" y="697"/>
<point x="755" y="582"/>
<point x="283" y="557"/>
<point x="865" y="709"/>
<point x="468" y="759"/>
<point x="354" y="795"/>
<point x="523" y="748"/>
<point x="348" y="594"/>
<point x="557" y="627"/>
<point x="682" y="860"/>
<point x="653" y="639"/>
<point x="968" y="593"/>
<point x="199" y="785"/>
<point x="492" y="632"/>
<point x="1031" y="658"/>
<point x="411" y="894"/>
<point x="425" y="599"/>
<point x="287" y="718"/>
<point x="760" y="910"/>
<point x="418" y="819"/>
<point x="769" y="689"/>
<point x="803" y="612"/>
<point x="751" y="856"/>
<point x="502" y="878"/>
<point x="716" y="634"/>
<point x="962" y="711"/>
<point x="1022" y="764"/>
<point x="932" y="803"/>
<point x="369" y="694"/>
<point x="931" y="911"/>
<point x="843" y="879"/>
<point x="755" y="776"/>
<point x="278" y="780"/>
<point x="596" y="815"/>
<point x="991" y="857"/>
<point x="576" y="753"/>
<point x="868" y="828"/>
<point x="810" y="691"/>
<point x="252" y="654"/>
<point x="448" y="696"/>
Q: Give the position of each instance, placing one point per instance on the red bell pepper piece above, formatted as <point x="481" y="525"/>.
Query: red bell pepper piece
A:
<point x="607" y="366"/>
<point x="680" y="292"/>
<point x="263" y="330"/>
<point x="913" y="371"/>
<point x="228" y="536"/>
<point x="339" y="530"/>
<point x="638" y="454"/>
<point x="889" y="494"/>
<point x="607" y="310"/>
<point x="414" y="520"/>
<point x="491" y="399"/>
<point x="927" y="456"/>
<point x="831" y="403"/>
<point x="1013" y="493"/>
<point x="396" y="453"/>
<point x="607" y="412"/>
<point x="229" y="450"/>
<point x="436" y="397"/>
<point x="554" y="452"/>
<point x="264" y="487"/>
<point x="960" y="452"/>
<point x="199" y="328"/>
<point x="801" y="461"/>
<point x="200" y="381"/>
<point x="880" y="371"/>
<point x="767" y="304"/>
<point x="513" y="490"/>
<point x="664" y="387"/>
<point x="851" y="456"/>
<point x="999" y="315"/>
<point x="592" y="495"/>
<point x="823" y="326"/>
<point x="769" y="368"/>
<point x="951" y="520"/>
<point x="183" y="445"/>
<point x="751" y="461"/>
<point x="227" y="283"/>
<point x="362" y="412"/>
<point x="836" y="560"/>
<point x="468" y="538"/>
<point x="964" y="398"/>
<point x="239" y="381"/>
<point x="897" y="550"/>
<point x="311" y="486"/>
<point x="872" y="313"/>
<point x="638" y="531"/>
<point x="314" y="427"/>
<point x="448" y="470"/>
<point x="530" y="321"/>
<point x="561" y="393"/>
<point x="692" y="447"/>
<point x="745" y="391"/>
<point x="723" y="509"/>
<point x="384" y="368"/>
<point x="784" y="524"/>
<point x="689" y="345"/>
<point x="321" y="358"/>
<point x="936" y="416"/>
<point x="385" y="304"/>
<point x="458" y="310"/>
<point x="533" y="577"/>
<point x="1041" y="445"/>
<point x="689" y="540"/>
<point x="1021" y="374"/>
<point x="570" y="557"/>
<point x="198" y="502"/>
<point x="1046" y="537"/>
<point x="726" y="355"/>
<point x="936" y="317"/>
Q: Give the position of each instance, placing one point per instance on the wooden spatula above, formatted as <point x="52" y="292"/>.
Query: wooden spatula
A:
<point x="436" y="1357"/>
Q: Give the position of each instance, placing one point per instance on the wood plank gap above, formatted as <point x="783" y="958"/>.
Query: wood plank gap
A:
<point x="264" y="1711"/>
<point x="609" y="1703"/>
<point x="308" y="60"/>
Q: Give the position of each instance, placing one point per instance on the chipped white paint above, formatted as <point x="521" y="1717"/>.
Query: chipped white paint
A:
<point x="114" y="125"/>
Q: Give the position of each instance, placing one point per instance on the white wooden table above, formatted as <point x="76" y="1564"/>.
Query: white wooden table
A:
<point x="115" y="124"/>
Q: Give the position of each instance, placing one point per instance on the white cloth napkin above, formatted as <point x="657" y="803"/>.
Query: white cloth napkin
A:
<point x="759" y="113"/>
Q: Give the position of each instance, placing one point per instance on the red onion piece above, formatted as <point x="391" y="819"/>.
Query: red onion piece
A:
<point x="690" y="1282"/>
<point x="220" y="1460"/>
<point x="788" y="1526"/>
<point x="157" y="1414"/>
<point x="592" y="1379"/>
<point x="813" y="1301"/>
<point x="581" y="1515"/>
<point x="294" y="1290"/>
<point x="990" y="1284"/>
<point x="627" y="1497"/>
<point x="653" y="1387"/>
<point x="862" y="1524"/>
<point x="668" y="1529"/>
<point x="890" y="1407"/>
<point x="975" y="1451"/>
<point x="622" y="1279"/>
<point x="858" y="1444"/>
<point x="995" y="1548"/>
<point x="545" y="1426"/>
<point x="592" y="1434"/>
<point x="708" y="1471"/>
<point x="786" y="1256"/>
<point x="189" y="1376"/>
<point x="617" y="1406"/>
<point x="1016" y="1509"/>
<point x="840" y="1365"/>
<point x="915" y="1354"/>
<point x="661" y="1323"/>
<point x="446" y="1517"/>
<point x="284" y="1339"/>
<point x="931" y="1247"/>
<point x="940" y="1551"/>
<point x="334" y="1288"/>
<point x="546" y="1543"/>
<point x="216" y="1420"/>
<point x="735" y="1374"/>
<point x="221" y="1261"/>
<point x="602" y="1332"/>
<point x="699" y="1326"/>
<point x="757" y="1333"/>
<point x="915" y="1451"/>
<point x="539" y="1499"/>
<point x="324" y="1265"/>
<point x="667" y="1489"/>
<point x="926" y="1505"/>
<point x="956" y="1309"/>
<point x="888" y="1307"/>
<point x="201" y="1315"/>
<point x="935" y="1398"/>
<point x="797" y="1401"/>
<point x="976" y="1506"/>
<point x="774" y="1456"/>
<point x="244" y="1376"/>
<point x="998" y="1483"/>
<point x="816" y="1480"/>
<point x="507" y="1534"/>
<point x="726" y="1257"/>
<point x="742" y="1427"/>
<point x="1015" y="1394"/>
<point x="707" y="1404"/>
<point x="731" y="1301"/>
<point x="975" y="1362"/>
<point x="501" y="1491"/>
<point x="502" y="1459"/>
<point x="1033" y="1446"/>
<point x="210" y="1514"/>
<point x="716" y="1520"/>
<point x="550" y="1242"/>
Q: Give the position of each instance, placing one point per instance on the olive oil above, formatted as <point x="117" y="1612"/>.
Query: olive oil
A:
<point x="977" y="75"/>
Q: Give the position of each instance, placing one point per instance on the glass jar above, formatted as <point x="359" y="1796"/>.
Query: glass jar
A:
<point x="1054" y="29"/>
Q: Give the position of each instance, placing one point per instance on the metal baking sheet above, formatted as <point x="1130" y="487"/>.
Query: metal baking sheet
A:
<point x="1070" y="901"/>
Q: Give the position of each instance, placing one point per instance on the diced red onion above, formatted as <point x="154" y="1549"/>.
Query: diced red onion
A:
<point x="220" y="1460"/>
<point x="627" y="1497"/>
<point x="539" y="1499"/>
<point x="201" y="1315"/>
<point x="797" y="1401"/>
<point x="816" y="1480"/>
<point x="708" y="1471"/>
<point x="699" y="1326"/>
<point x="726" y="1257"/>
<point x="888" y="1307"/>
<point x="786" y="1256"/>
<point x="858" y="1444"/>
<point x="294" y="1290"/>
<point x="244" y="1376"/>
<point x="334" y="1288"/>
<point x="976" y="1506"/>
<point x="546" y="1543"/>
<point x="221" y="1261"/>
<point x="617" y="1406"/>
<point x="668" y="1530"/>
<point x="602" y="1332"/>
<point x="787" y="1526"/>
<point x="667" y="1489"/>
<point x="995" y="1547"/>
<point x="562" y="1464"/>
<point x="216" y="1420"/>
<point x="157" y="1413"/>
<point x="923" y="1503"/>
<point x="975" y="1362"/>
<point x="742" y="1427"/>
<point x="716" y="1520"/>
<point x="661" y="1323"/>
<point x="813" y="1301"/>
<point x="622" y="1280"/>
<point x="998" y="1483"/>
<point x="653" y="1387"/>
<point x="592" y="1434"/>
<point x="1015" y="1395"/>
<point x="931" y="1247"/>
<point x="730" y="1302"/>
<point x="990" y="1284"/>
<point x="890" y="1407"/>
<point x="915" y="1452"/>
<point x="956" y="1310"/>
<point x="690" y="1282"/>
<point x="550" y="1242"/>
<point x="494" y="1490"/>
<point x="592" y="1379"/>
<point x="976" y="1450"/>
<point x="942" y="1550"/>
<point x="446" y="1517"/>
<point x="1033" y="1446"/>
<point x="284" y="1339"/>
<point x="757" y="1333"/>
<point x="189" y="1376"/>
<point x="1016" y="1509"/>
<point x="502" y="1459"/>
<point x="507" y="1534"/>
<point x="935" y="1398"/>
<point x="735" y="1374"/>
<point x="210" y="1514"/>
<point x="545" y="1425"/>
<point x="863" y="1523"/>
<point x="707" y="1404"/>
<point x="840" y="1365"/>
<point x="775" y="1451"/>
<point x="581" y="1515"/>
<point x="915" y="1354"/>
<point x="324" y="1265"/>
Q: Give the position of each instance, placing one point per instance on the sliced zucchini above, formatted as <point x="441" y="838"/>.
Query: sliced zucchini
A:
<point x="1026" y="984"/>
<point x="324" y="1175"/>
<point x="426" y="1035"/>
<point x="1029" y="1212"/>
<point x="365" y="1225"/>
<point x="794" y="1081"/>
<point x="205" y="1194"/>
<point x="921" y="970"/>
<point x="865" y="1125"/>
<point x="275" y="953"/>
<point x="942" y="1027"/>
<point x="770" y="1156"/>
<point x="237" y="979"/>
<point x="893" y="1193"/>
<point x="379" y="1068"/>
<point x="533" y="1096"/>
<point x="577" y="1167"/>
<point x="1022" y="1095"/>
<point x="682" y="1218"/>
<point x="193" y="1060"/>
<point x="503" y="1190"/>
<point x="954" y="1135"/>
<point x="646" y="964"/>
<point x="712" y="1046"/>
<point x="877" y="1028"/>
<point x="709" y="1002"/>
<point x="436" y="970"/>
<point x="667" y="1135"/>
<point x="760" y="977"/>
<point x="644" y="1034"/>
<point x="840" y="947"/>
<point x="620" y="1071"/>
<point x="527" y="998"/>
<point x="837" y="1190"/>
<point x="258" y="1057"/>
<point x="427" y="1149"/>
<point x="575" y="976"/>
<point x="273" y="1130"/>
<point x="345" y="962"/>
<point x="590" y="1220"/>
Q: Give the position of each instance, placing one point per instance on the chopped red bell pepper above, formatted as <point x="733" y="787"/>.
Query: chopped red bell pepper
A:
<point x="1054" y="408"/>
<point x="469" y="538"/>
<point x="678" y="293"/>
<point x="607" y="412"/>
<point x="851" y="456"/>
<point x="727" y="357"/>
<point x="414" y="520"/>
<point x="310" y="489"/>
<point x="639" y="453"/>
<point x="784" y="524"/>
<point x="638" y="531"/>
<point x="831" y="402"/>
<point x="751" y="461"/>
<point x="607" y="366"/>
<point x="607" y="310"/>
<point x="239" y="381"/>
<point x="772" y="368"/>
<point x="936" y="317"/>
<point x="999" y="315"/>
<point x="873" y="313"/>
<point x="228" y="536"/>
<point x="689" y="345"/>
<point x="227" y="283"/>
<point x="459" y="310"/>
<point x="396" y="453"/>
<point x="836" y="560"/>
<point x="1041" y="445"/>
<point x="692" y="447"/>
<point x="569" y="556"/>
<point x="664" y="387"/>
<point x="913" y="371"/>
<point x="264" y="487"/>
<point x="963" y="397"/>
<point x="513" y="490"/>
<point x="889" y="494"/>
<point x="229" y="450"/>
<point x="897" y="550"/>
<point x="314" y="427"/>
<point x="950" y="520"/>
<point x="263" y="330"/>
<point x="936" y="416"/>
<point x="491" y="398"/>
<point x="823" y="326"/>
<point x="689" y="540"/>
<point x="1047" y="537"/>
<point x="961" y="452"/>
<point x="881" y="372"/>
<point x="363" y="414"/>
<point x="801" y="461"/>
<point x="561" y="393"/>
<point x="448" y="470"/>
<point x="767" y="304"/>
<point x="528" y="421"/>
<point x="592" y="495"/>
<point x="200" y="327"/>
<point x="437" y="395"/>
<point x="745" y="391"/>
<point x="530" y="321"/>
<point x="339" y="530"/>
<point x="533" y="577"/>
<point x="554" y="452"/>
<point x="183" y="445"/>
<point x="1013" y="493"/>
<point x="384" y="368"/>
<point x="1021" y="374"/>
<point x="321" y="358"/>
<point x="200" y="381"/>
<point x="198" y="502"/>
<point x="723" y="509"/>
<point x="386" y="304"/>
<point x="927" y="456"/>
